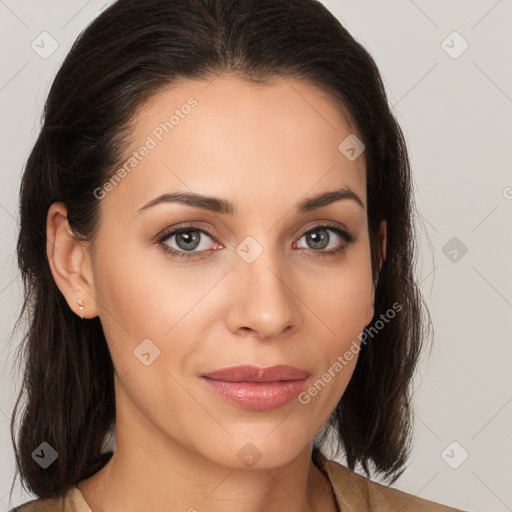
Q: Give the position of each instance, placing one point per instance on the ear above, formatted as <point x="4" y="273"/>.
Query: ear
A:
<point x="381" y="247"/>
<point x="70" y="262"/>
<point x="381" y="244"/>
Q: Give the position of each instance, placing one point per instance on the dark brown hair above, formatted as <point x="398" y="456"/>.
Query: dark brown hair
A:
<point x="134" y="49"/>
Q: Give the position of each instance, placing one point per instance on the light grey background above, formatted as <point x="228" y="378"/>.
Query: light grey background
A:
<point x="457" y="117"/>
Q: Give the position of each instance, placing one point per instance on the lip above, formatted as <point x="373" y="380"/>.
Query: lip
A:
<point x="251" y="387"/>
<point x="250" y="373"/>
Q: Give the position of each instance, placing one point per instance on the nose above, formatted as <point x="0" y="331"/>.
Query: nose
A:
<point x="265" y="299"/>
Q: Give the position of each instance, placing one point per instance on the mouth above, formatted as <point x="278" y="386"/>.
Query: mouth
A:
<point x="251" y="387"/>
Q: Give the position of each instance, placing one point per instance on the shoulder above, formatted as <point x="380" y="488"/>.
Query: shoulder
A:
<point x="71" y="501"/>
<point x="355" y="492"/>
<point x="39" y="505"/>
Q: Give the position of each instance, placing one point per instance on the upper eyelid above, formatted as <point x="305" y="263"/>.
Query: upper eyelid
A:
<point x="176" y="230"/>
<point x="167" y="233"/>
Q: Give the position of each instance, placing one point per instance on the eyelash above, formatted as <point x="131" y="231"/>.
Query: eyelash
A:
<point x="347" y="237"/>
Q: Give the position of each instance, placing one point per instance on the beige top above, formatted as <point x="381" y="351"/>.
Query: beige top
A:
<point x="354" y="493"/>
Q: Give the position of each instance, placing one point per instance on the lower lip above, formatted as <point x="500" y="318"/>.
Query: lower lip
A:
<point x="259" y="396"/>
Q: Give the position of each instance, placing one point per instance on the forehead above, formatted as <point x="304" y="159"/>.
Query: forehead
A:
<point x="263" y="144"/>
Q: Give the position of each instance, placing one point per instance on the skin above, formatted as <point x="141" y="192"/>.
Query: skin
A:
<point x="264" y="147"/>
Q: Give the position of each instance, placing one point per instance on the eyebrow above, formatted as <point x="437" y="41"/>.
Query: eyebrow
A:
<point x="225" y="207"/>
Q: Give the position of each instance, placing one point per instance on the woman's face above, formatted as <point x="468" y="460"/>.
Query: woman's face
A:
<point x="263" y="284"/>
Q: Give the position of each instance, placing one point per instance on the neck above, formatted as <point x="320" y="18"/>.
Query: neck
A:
<point x="143" y="476"/>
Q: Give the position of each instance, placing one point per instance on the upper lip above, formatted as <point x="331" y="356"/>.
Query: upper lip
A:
<point x="250" y="373"/>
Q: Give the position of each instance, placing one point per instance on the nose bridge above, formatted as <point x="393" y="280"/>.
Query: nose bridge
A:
<point x="262" y="265"/>
<point x="264" y="300"/>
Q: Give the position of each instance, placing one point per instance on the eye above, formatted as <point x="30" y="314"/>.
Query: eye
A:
<point x="186" y="240"/>
<point x="319" y="239"/>
<point x="190" y="242"/>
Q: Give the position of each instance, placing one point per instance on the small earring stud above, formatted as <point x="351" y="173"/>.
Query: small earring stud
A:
<point x="81" y="304"/>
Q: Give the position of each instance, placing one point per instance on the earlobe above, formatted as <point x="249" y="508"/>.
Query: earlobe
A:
<point x="69" y="262"/>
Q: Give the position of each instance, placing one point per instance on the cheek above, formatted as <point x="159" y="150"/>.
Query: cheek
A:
<point x="129" y="299"/>
<point x="337" y="358"/>
<point x="342" y="307"/>
<point x="144" y="298"/>
<point x="341" y="296"/>
<point x="135" y="287"/>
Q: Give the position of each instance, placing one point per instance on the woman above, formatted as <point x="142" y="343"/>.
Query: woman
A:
<point x="217" y="245"/>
